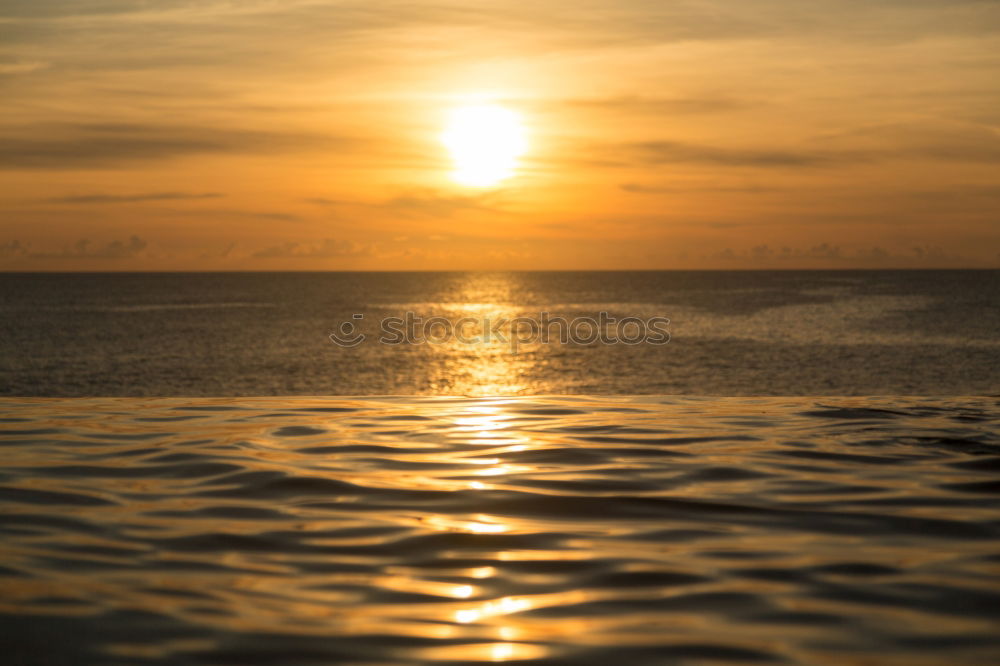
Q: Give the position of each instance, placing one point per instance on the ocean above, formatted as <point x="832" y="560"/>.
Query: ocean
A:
<point x="545" y="531"/>
<point x="644" y="468"/>
<point x="730" y="333"/>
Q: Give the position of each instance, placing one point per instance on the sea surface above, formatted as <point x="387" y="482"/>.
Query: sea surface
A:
<point x="475" y="492"/>
<point x="730" y="333"/>
<point x="542" y="530"/>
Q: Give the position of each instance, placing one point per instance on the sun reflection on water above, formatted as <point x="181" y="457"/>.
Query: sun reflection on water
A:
<point x="486" y="652"/>
<point x="478" y="524"/>
<point x="492" y="608"/>
<point x="482" y="364"/>
<point x="480" y="419"/>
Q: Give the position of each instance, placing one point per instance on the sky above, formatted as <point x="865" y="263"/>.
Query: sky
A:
<point x="660" y="134"/>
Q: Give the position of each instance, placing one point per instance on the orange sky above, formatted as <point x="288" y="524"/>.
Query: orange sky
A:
<point x="305" y="135"/>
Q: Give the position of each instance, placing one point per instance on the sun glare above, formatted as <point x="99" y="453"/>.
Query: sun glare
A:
<point x="485" y="142"/>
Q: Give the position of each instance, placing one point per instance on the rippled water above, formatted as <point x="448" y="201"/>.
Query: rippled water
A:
<point x="549" y="531"/>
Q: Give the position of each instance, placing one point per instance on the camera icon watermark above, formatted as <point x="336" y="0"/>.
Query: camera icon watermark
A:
<point x="347" y="334"/>
<point x="515" y="332"/>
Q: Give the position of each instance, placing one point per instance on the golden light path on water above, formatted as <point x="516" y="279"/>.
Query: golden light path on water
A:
<point x="481" y="530"/>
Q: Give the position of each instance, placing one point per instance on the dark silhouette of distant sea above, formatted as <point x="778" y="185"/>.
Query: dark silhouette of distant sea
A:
<point x="731" y="333"/>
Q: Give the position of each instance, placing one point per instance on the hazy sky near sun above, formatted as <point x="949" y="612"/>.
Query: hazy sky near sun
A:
<point x="305" y="134"/>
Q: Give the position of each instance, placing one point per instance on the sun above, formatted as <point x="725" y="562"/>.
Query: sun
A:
<point x="485" y="142"/>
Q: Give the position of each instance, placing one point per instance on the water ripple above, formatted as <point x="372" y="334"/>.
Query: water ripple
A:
<point x="545" y="530"/>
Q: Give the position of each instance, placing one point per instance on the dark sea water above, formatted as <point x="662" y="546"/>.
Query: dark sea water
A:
<point x="570" y="530"/>
<point x="731" y="333"/>
<point x="586" y="503"/>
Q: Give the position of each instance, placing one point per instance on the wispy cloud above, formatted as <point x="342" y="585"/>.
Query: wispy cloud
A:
<point x="639" y="188"/>
<point x="832" y="255"/>
<point x="326" y="248"/>
<point x="20" y="66"/>
<point x="666" y="152"/>
<point x="430" y="204"/>
<point x="424" y="203"/>
<point x="132" y="198"/>
<point x="13" y="249"/>
<point x="86" y="249"/>
<point x="659" y="106"/>
<point x="233" y="213"/>
<point x="91" y="145"/>
<point x="934" y="139"/>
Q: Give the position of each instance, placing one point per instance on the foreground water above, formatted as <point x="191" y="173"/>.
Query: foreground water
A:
<point x="547" y="531"/>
